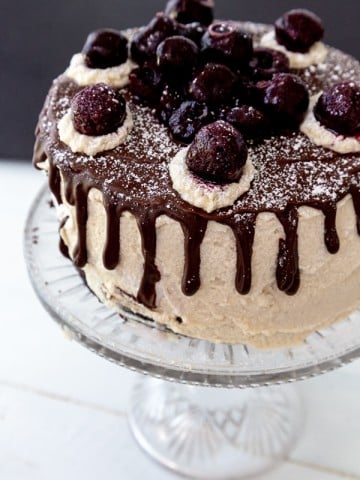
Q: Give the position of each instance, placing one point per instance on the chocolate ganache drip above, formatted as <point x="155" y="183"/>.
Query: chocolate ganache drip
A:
<point x="244" y="230"/>
<point x="332" y="241"/>
<point x="287" y="272"/>
<point x="134" y="177"/>
<point x="147" y="229"/>
<point x="111" y="255"/>
<point x="194" y="231"/>
<point x="355" y="192"/>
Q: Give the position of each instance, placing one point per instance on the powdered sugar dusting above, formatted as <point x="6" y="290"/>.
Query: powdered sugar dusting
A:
<point x="337" y="68"/>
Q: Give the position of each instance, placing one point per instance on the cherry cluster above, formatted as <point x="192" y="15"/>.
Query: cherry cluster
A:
<point x="193" y="75"/>
<point x="209" y="85"/>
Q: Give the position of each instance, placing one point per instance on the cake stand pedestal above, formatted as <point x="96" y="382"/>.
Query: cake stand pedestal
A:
<point x="201" y="432"/>
<point x="215" y="434"/>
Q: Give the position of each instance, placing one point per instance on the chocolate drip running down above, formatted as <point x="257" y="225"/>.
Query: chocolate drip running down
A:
<point x="332" y="241"/>
<point x="287" y="272"/>
<point x="244" y="232"/>
<point x="194" y="231"/>
<point x="355" y="192"/>
<point x="134" y="177"/>
<point x="111" y="255"/>
<point x="194" y="228"/>
<point x="147" y="228"/>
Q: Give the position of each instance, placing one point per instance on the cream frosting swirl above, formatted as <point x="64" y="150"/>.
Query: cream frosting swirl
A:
<point x="84" y="76"/>
<point x="323" y="137"/>
<point x="204" y="195"/>
<point x="91" y="145"/>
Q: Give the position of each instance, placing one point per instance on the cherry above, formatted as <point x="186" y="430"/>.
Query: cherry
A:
<point x="177" y="57"/>
<point x="194" y="31"/>
<point x="267" y="62"/>
<point x="188" y="119"/>
<point x="285" y="98"/>
<point x="188" y="11"/>
<point x="298" y="30"/>
<point x="215" y="84"/>
<point x="170" y="101"/>
<point x="339" y="109"/>
<point x="105" y="48"/>
<point x="98" y="110"/>
<point x="144" y="45"/>
<point x="225" y="42"/>
<point x="218" y="153"/>
<point x="146" y="83"/>
<point x="251" y="122"/>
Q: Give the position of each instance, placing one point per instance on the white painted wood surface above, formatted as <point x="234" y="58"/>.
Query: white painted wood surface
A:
<point x="63" y="410"/>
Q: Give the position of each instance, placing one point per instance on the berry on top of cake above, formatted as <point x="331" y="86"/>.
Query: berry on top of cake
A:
<point x="105" y="48"/>
<point x="98" y="110"/>
<point x="218" y="153"/>
<point x="298" y="30"/>
<point x="227" y="43"/>
<point x="339" y="109"/>
<point x="188" y="11"/>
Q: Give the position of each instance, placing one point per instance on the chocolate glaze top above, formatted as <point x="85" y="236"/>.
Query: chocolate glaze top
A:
<point x="291" y="172"/>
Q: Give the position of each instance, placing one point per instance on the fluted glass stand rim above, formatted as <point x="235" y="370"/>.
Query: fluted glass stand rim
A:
<point x="130" y="341"/>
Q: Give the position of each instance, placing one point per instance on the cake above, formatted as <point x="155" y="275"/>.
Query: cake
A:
<point x="207" y="174"/>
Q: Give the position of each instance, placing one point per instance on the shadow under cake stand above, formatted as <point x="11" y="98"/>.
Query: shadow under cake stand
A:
<point x="201" y="432"/>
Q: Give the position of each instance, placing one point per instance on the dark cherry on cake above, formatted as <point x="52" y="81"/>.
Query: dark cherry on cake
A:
<point x="144" y="45"/>
<point x="215" y="84"/>
<point x="188" y="11"/>
<point x="338" y="109"/>
<point x="298" y="30"/>
<point x="194" y="31"/>
<point x="225" y="42"/>
<point x="250" y="121"/>
<point x="98" y="110"/>
<point x="267" y="62"/>
<point x="105" y="48"/>
<point x="285" y="98"/>
<point x="218" y="153"/>
<point x="146" y="83"/>
<point x="177" y="57"/>
<point x="170" y="100"/>
<point x="188" y="119"/>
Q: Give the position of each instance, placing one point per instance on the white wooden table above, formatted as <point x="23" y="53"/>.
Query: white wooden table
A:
<point x="63" y="409"/>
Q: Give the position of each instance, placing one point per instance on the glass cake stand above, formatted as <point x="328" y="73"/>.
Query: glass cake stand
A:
<point x="200" y="432"/>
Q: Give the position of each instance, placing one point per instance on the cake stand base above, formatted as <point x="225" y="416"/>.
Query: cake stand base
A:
<point x="214" y="433"/>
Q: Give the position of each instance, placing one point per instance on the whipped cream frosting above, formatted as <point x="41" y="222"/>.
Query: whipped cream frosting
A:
<point x="205" y="195"/>
<point x="314" y="56"/>
<point x="324" y="137"/>
<point x="91" y="145"/>
<point x="84" y="76"/>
